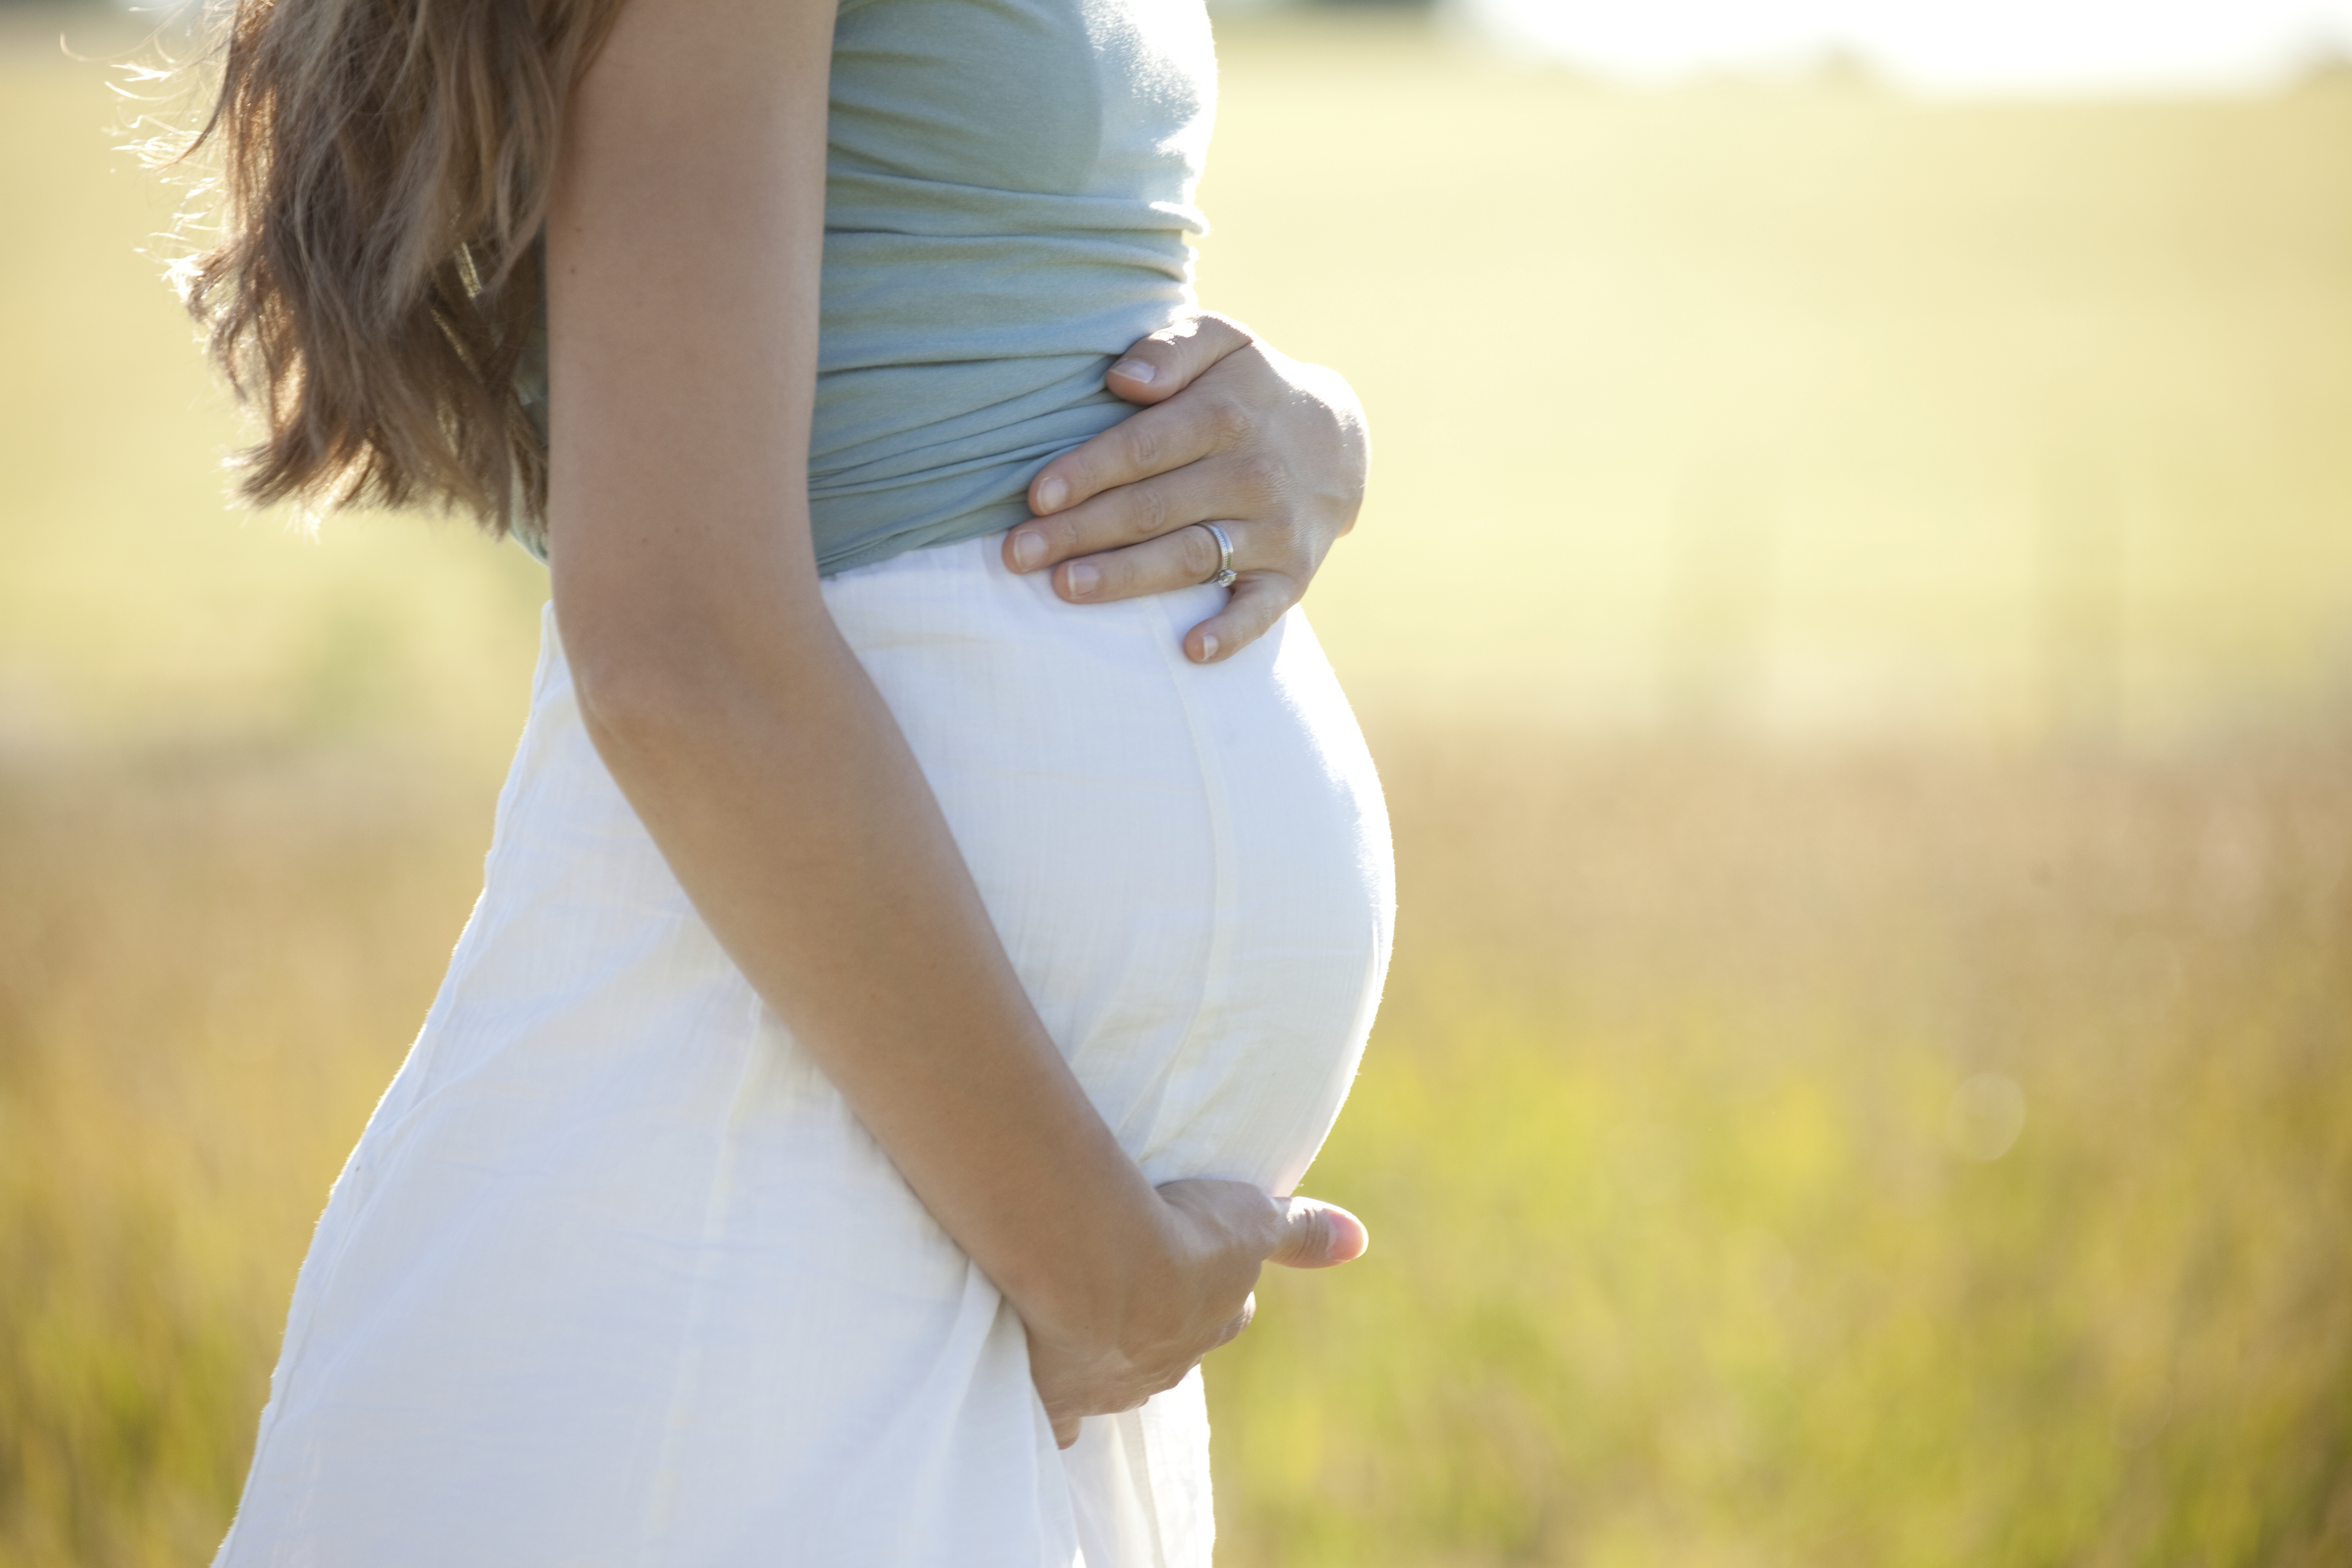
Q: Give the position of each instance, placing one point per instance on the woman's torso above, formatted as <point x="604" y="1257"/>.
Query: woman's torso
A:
<point x="1009" y="189"/>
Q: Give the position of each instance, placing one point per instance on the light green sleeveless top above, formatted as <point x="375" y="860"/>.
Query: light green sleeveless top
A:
<point x="1009" y="185"/>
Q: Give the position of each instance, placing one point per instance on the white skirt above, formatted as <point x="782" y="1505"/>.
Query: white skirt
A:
<point x="615" y="1277"/>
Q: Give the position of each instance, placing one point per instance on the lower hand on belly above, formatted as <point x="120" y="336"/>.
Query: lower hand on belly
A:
<point x="1220" y="1234"/>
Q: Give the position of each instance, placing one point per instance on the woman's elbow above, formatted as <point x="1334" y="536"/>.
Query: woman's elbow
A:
<point x="642" y="681"/>
<point x="664" y="684"/>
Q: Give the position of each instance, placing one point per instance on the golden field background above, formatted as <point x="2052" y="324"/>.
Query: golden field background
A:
<point x="1852" y="616"/>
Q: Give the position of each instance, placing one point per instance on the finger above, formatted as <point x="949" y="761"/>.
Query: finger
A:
<point x="1184" y="559"/>
<point x="1158" y="367"/>
<point x="1257" y="601"/>
<point x="1144" y="444"/>
<point x="1217" y="487"/>
<point x="1317" y="1234"/>
<point x="1066" y="1431"/>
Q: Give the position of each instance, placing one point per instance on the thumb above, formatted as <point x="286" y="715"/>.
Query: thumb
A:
<point x="1156" y="368"/>
<point x="1316" y="1234"/>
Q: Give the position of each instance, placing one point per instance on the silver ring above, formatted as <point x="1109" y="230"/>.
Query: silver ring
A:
<point x="1224" y="575"/>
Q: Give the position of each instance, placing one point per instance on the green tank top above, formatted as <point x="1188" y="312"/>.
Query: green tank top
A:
<point x="1009" y="185"/>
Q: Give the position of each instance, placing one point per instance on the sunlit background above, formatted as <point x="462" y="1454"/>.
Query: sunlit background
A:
<point x="1855" y="615"/>
<point x="1982" y="47"/>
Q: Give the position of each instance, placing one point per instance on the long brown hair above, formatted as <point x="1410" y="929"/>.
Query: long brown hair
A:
<point x="385" y="170"/>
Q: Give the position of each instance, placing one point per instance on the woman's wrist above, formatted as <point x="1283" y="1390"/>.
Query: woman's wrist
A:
<point x="1165" y="1286"/>
<point x="1093" y="1280"/>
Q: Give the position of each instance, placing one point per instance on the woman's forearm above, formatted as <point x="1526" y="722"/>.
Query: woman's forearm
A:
<point x="767" y="768"/>
<point x="684" y="256"/>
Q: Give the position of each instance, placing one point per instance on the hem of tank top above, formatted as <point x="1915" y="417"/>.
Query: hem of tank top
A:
<point x="870" y="555"/>
<point x="890" y="549"/>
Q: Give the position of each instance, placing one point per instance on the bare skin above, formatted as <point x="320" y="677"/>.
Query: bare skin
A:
<point x="1271" y="450"/>
<point x="683" y="253"/>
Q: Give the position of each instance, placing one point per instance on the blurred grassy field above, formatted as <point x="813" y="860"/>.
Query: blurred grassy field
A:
<point x="1809" y="411"/>
<point x="1852" y="620"/>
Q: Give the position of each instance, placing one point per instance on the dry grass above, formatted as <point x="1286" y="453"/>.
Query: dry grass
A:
<point x="1683" y="1259"/>
<point x="207" y="966"/>
<point x="1677" y="1260"/>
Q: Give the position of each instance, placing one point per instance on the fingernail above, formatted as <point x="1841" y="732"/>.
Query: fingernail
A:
<point x="1208" y="647"/>
<point x="1082" y="580"/>
<point x="1135" y="370"/>
<point x="1051" y="495"/>
<point x="1028" y="548"/>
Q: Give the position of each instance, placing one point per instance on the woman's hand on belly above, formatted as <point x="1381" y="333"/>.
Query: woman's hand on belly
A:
<point x="1218" y="1235"/>
<point x="1271" y="450"/>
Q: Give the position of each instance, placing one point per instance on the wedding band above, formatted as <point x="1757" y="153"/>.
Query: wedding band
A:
<point x="1224" y="575"/>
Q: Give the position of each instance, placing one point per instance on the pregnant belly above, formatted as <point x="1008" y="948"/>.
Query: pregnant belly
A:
<point x="1189" y="866"/>
<point x="615" y="1276"/>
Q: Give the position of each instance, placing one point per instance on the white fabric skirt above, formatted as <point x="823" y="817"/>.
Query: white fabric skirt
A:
<point x="614" y="1275"/>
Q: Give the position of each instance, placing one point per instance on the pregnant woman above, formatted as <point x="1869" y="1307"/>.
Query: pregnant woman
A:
<point x="921" y="942"/>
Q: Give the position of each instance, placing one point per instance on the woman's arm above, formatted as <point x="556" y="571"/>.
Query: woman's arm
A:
<point x="1271" y="450"/>
<point x="683" y="252"/>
